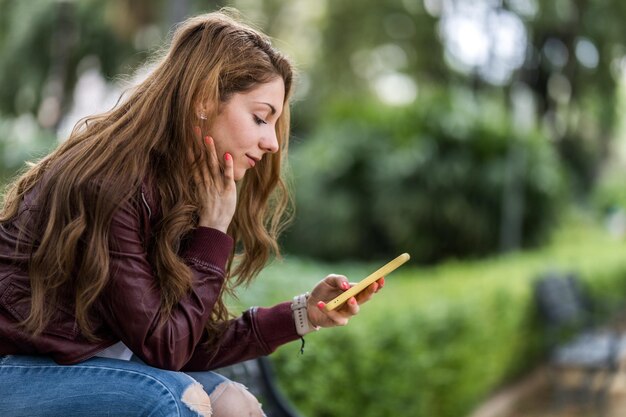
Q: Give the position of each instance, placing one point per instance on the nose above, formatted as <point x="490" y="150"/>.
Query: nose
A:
<point x="269" y="142"/>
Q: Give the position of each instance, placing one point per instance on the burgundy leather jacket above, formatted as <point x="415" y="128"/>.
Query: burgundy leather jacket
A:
<point x="128" y="310"/>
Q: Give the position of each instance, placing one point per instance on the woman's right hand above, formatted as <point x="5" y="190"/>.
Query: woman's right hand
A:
<point x="216" y="186"/>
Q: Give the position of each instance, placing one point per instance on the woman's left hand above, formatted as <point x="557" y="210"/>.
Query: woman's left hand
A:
<point x="329" y="288"/>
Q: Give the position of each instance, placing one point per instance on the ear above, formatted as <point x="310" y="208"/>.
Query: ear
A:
<point x="200" y="111"/>
<point x="203" y="110"/>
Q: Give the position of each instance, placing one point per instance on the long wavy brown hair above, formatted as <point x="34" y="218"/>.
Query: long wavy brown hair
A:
<point x="148" y="135"/>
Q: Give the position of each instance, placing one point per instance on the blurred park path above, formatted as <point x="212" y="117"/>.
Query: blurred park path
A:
<point x="534" y="396"/>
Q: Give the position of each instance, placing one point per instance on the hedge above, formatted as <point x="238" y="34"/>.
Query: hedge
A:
<point x="436" y="341"/>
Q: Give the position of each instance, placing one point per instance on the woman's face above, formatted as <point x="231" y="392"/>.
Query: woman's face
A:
<point x="245" y="125"/>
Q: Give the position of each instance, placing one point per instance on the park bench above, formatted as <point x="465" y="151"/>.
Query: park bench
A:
<point x="258" y="376"/>
<point x="577" y="342"/>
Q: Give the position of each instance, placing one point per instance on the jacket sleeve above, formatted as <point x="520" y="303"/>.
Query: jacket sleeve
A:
<point x="131" y="305"/>
<point x="258" y="332"/>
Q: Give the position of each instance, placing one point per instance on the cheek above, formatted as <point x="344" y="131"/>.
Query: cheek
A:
<point x="234" y="132"/>
<point x="222" y="139"/>
<point x="220" y="149"/>
<point x="244" y="137"/>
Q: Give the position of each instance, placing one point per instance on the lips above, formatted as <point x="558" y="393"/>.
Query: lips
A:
<point x="252" y="160"/>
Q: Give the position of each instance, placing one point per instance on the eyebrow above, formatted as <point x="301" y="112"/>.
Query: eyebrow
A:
<point x="272" y="108"/>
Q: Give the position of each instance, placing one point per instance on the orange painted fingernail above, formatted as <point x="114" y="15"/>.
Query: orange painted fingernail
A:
<point x="352" y="301"/>
<point x="227" y="156"/>
<point x="207" y="140"/>
<point x="321" y="305"/>
<point x="345" y="285"/>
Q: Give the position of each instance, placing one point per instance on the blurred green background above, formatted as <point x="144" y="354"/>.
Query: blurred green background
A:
<point x="484" y="137"/>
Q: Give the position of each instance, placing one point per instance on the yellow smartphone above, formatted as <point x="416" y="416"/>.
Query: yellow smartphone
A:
<point x="385" y="270"/>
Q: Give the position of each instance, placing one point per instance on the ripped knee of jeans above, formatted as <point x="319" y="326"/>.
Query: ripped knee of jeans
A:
<point x="232" y="399"/>
<point x="197" y="400"/>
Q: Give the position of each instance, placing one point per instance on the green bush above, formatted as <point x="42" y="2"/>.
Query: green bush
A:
<point x="610" y="193"/>
<point x="21" y="139"/>
<point x="436" y="341"/>
<point x="429" y="179"/>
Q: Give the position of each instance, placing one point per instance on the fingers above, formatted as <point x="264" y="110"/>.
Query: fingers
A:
<point x="214" y="165"/>
<point x="211" y="170"/>
<point x="229" y="170"/>
<point x="352" y="306"/>
<point x="337" y="281"/>
<point x="369" y="292"/>
<point x="334" y="285"/>
<point x="196" y="174"/>
<point x="341" y="316"/>
<point x="201" y="171"/>
<point x="197" y="132"/>
<point x="207" y="178"/>
<point x="365" y="295"/>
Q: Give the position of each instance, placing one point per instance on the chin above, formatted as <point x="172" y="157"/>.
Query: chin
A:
<point x="238" y="176"/>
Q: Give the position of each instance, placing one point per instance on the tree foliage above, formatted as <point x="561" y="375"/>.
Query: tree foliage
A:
<point x="383" y="54"/>
<point x="435" y="181"/>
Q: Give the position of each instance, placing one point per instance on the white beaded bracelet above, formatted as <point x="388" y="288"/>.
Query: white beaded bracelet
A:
<point x="300" y="315"/>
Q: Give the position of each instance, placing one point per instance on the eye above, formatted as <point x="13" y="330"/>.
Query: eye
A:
<point x="258" y="120"/>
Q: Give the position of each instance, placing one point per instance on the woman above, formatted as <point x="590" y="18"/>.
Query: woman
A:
<point x="121" y="243"/>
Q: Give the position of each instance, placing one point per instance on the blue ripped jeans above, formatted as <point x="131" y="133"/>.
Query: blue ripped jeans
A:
<point x="36" y="386"/>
